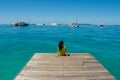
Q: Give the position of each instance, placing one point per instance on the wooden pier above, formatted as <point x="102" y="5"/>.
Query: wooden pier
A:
<point x="75" y="67"/>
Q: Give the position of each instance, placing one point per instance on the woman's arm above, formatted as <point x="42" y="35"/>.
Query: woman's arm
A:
<point x="65" y="52"/>
<point x="58" y="52"/>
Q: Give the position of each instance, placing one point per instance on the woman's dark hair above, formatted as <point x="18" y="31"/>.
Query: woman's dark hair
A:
<point x="60" y="45"/>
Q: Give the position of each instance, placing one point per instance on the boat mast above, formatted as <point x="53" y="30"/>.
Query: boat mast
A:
<point x="76" y="19"/>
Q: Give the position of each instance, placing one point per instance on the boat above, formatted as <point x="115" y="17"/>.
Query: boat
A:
<point x="101" y="25"/>
<point x="54" y="24"/>
<point x="16" y="24"/>
<point x="74" y="24"/>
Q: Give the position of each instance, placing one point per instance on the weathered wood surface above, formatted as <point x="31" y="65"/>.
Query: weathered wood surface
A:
<point x="74" y="67"/>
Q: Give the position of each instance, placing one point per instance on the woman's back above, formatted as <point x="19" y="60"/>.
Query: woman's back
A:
<point x="62" y="51"/>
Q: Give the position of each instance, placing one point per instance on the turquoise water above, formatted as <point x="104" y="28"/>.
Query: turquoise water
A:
<point x="18" y="45"/>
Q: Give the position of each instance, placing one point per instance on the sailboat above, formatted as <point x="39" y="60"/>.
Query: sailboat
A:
<point x="75" y="24"/>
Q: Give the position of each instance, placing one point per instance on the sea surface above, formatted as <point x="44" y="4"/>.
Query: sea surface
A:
<point x="19" y="44"/>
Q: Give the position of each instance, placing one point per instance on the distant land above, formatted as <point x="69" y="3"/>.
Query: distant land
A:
<point x="60" y="24"/>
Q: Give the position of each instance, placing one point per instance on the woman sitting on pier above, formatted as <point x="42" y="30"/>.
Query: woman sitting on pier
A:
<point x="62" y="49"/>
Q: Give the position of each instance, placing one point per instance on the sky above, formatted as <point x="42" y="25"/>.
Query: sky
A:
<point x="60" y="11"/>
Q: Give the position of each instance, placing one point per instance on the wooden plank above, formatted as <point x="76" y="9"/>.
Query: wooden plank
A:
<point x="44" y="66"/>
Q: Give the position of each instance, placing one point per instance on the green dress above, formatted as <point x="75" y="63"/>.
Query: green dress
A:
<point x="62" y="51"/>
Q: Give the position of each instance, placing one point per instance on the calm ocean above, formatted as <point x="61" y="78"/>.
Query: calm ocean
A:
<point x="18" y="45"/>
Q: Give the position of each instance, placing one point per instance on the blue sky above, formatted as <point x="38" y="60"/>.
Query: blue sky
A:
<point x="60" y="11"/>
